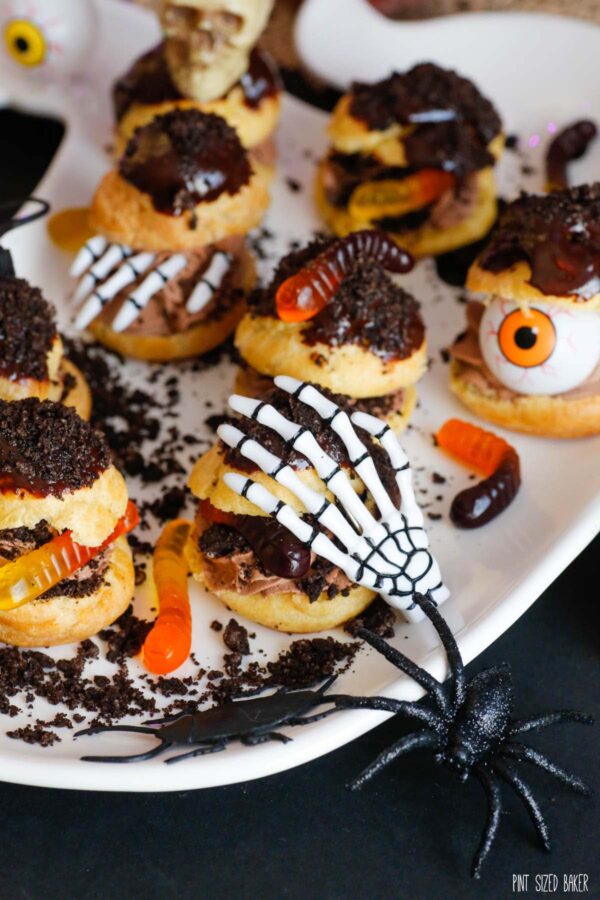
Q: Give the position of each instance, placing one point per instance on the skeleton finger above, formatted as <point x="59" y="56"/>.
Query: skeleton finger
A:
<point x="339" y="421"/>
<point x="151" y="285"/>
<point x="88" y="255"/>
<point x="382" y="432"/>
<point x="330" y="472"/>
<point x="311" y="537"/>
<point x="316" y="504"/>
<point x="115" y="254"/>
<point x="131" y="269"/>
<point x="210" y="282"/>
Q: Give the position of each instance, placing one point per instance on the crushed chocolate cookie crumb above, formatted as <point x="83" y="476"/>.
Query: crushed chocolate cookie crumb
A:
<point x="45" y="447"/>
<point x="235" y="637"/>
<point x="34" y="734"/>
<point x="126" y="636"/>
<point x="27" y="330"/>
<point x="378" y="617"/>
<point x="309" y="661"/>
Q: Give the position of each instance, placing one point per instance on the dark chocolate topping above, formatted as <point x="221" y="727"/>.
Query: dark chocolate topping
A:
<point x="27" y="330"/>
<point x="569" y="144"/>
<point x="45" y="448"/>
<point x="368" y="308"/>
<point x="453" y="122"/>
<point x="184" y="158"/>
<point x="557" y="234"/>
<point x="260" y="80"/>
<point x="149" y="81"/>
<point x="303" y="415"/>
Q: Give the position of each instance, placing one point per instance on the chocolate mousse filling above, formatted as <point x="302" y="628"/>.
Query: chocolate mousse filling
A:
<point x="27" y="330"/>
<point x="467" y="351"/>
<point x="184" y="158"/>
<point x="17" y="542"/>
<point x="557" y="234"/>
<point x="149" y="82"/>
<point x="46" y="449"/>
<point x="368" y="309"/>
<point x="452" y="122"/>
<point x="166" y="313"/>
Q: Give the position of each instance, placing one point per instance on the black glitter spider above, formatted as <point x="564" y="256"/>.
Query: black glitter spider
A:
<point x="469" y="725"/>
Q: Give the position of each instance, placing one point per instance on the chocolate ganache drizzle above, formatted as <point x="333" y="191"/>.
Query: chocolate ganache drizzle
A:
<point x="558" y="235"/>
<point x="452" y="122"/>
<point x="184" y="158"/>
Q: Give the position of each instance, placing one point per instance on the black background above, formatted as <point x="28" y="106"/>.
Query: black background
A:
<point x="410" y="834"/>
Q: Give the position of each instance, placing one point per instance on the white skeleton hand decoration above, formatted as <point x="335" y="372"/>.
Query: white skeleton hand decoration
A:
<point x="106" y="269"/>
<point x="391" y="554"/>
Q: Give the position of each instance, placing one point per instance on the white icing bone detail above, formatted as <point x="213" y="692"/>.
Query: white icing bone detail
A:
<point x="106" y="269"/>
<point x="210" y="282"/>
<point x="391" y="554"/>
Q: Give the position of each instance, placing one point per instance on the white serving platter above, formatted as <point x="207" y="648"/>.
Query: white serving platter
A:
<point x="496" y="573"/>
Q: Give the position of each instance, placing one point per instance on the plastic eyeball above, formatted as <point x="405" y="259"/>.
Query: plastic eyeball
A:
<point x="25" y="42"/>
<point x="542" y="349"/>
<point x="51" y="35"/>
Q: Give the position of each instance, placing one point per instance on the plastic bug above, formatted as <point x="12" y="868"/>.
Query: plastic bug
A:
<point x="469" y="726"/>
<point x="250" y="721"/>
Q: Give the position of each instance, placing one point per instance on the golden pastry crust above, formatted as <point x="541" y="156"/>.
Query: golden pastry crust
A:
<point x="273" y="347"/>
<point x="90" y="513"/>
<point x="80" y="396"/>
<point x="426" y="240"/>
<point x="194" y="341"/>
<point x="285" y="611"/>
<point x="253" y="124"/>
<point x="125" y="215"/>
<point x="513" y="284"/>
<point x="553" y="417"/>
<point x="247" y="384"/>
<point x="47" y="389"/>
<point x="61" y="620"/>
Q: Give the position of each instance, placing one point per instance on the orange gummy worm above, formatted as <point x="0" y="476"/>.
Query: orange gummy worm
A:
<point x="470" y="444"/>
<point x="33" y="574"/>
<point x="169" y="643"/>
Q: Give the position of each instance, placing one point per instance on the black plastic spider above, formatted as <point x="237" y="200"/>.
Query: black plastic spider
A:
<point x="469" y="726"/>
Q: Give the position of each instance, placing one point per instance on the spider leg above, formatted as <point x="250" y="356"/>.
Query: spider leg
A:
<point x="521" y="752"/>
<point x="388" y="704"/>
<point x="406" y="665"/>
<point x="511" y="777"/>
<point x="457" y="671"/>
<point x="404" y="745"/>
<point x="535" y="723"/>
<point x="250" y="740"/>
<point x="199" y="751"/>
<point x="128" y="729"/>
<point x="492" y="790"/>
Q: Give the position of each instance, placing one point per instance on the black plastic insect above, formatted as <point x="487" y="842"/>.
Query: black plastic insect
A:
<point x="469" y="726"/>
<point x="250" y="721"/>
<point x="8" y="222"/>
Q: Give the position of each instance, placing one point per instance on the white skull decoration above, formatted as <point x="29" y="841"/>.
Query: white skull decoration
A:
<point x="53" y="37"/>
<point x="208" y="42"/>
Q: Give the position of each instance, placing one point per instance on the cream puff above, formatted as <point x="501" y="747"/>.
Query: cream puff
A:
<point x="166" y="275"/>
<point x="413" y="154"/>
<point x="530" y="357"/>
<point x="57" y="480"/>
<point x="251" y="562"/>
<point x="208" y="60"/>
<point x="367" y="342"/>
<point x="32" y="360"/>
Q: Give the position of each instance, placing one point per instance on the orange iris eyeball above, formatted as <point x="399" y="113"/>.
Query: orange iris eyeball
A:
<point x="527" y="338"/>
